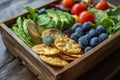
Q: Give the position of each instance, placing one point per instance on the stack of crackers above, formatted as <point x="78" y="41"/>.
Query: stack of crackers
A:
<point x="61" y="52"/>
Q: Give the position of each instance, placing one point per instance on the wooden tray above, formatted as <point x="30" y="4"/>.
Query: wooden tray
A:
<point x="44" y="71"/>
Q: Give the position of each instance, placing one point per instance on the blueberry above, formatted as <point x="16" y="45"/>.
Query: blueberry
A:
<point x="103" y="36"/>
<point x="79" y="31"/>
<point x="42" y="11"/>
<point x="48" y="40"/>
<point x="74" y="36"/>
<point x="87" y="48"/>
<point x="100" y="29"/>
<point x="83" y="42"/>
<point x="94" y="41"/>
<point x="93" y="33"/>
<point x="88" y="36"/>
<point x="86" y="26"/>
<point x="76" y="25"/>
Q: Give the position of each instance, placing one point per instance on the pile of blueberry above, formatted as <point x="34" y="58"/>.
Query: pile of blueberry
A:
<point x="88" y="37"/>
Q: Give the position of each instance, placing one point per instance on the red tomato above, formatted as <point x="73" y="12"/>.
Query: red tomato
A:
<point x="102" y="5"/>
<point x="67" y="3"/>
<point x="78" y="8"/>
<point x="86" y="16"/>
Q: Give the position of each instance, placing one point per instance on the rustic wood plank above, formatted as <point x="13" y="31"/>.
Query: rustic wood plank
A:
<point x="14" y="70"/>
<point x="104" y="69"/>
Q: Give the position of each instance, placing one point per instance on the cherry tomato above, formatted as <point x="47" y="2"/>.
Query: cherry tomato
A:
<point x="86" y="16"/>
<point x="87" y="1"/>
<point x="67" y="3"/>
<point x="78" y="8"/>
<point x="102" y="5"/>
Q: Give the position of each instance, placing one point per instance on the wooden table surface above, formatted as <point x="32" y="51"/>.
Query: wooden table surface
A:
<point x="12" y="69"/>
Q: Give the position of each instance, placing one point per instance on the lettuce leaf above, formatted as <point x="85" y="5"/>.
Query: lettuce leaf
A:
<point x="99" y="14"/>
<point x="114" y="11"/>
<point x="110" y="19"/>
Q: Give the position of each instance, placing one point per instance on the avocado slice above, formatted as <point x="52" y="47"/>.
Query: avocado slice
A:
<point x="32" y="28"/>
<point x="70" y="19"/>
<point x="51" y="25"/>
<point x="61" y="19"/>
<point x="54" y="16"/>
<point x="64" y="20"/>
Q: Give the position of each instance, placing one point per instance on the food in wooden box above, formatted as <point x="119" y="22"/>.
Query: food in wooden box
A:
<point x="61" y="34"/>
<point x="58" y="50"/>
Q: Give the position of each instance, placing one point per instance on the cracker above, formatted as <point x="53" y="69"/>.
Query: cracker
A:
<point x="54" y="60"/>
<point x="48" y="32"/>
<point x="66" y="57"/>
<point x="53" y="32"/>
<point x="43" y="49"/>
<point x="67" y="45"/>
<point x="74" y="55"/>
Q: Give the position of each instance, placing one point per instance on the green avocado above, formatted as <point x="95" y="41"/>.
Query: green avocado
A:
<point x="65" y="19"/>
<point x="54" y="16"/>
<point x="40" y="30"/>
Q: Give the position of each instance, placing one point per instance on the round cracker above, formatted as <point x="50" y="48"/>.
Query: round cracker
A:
<point x="66" y="57"/>
<point x="48" y="32"/>
<point x="67" y="45"/>
<point x="45" y="50"/>
<point x="54" y="60"/>
<point x="53" y="32"/>
<point x="74" y="55"/>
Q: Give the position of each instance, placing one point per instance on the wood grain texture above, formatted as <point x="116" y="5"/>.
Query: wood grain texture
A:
<point x="105" y="70"/>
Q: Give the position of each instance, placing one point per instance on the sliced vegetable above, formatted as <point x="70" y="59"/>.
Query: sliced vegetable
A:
<point x="20" y="30"/>
<point x="32" y="28"/>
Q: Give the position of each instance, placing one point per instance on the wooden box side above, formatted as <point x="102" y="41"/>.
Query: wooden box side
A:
<point x="19" y="49"/>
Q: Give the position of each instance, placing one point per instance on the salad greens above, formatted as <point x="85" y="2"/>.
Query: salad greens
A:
<point x="110" y="19"/>
<point x="51" y="19"/>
